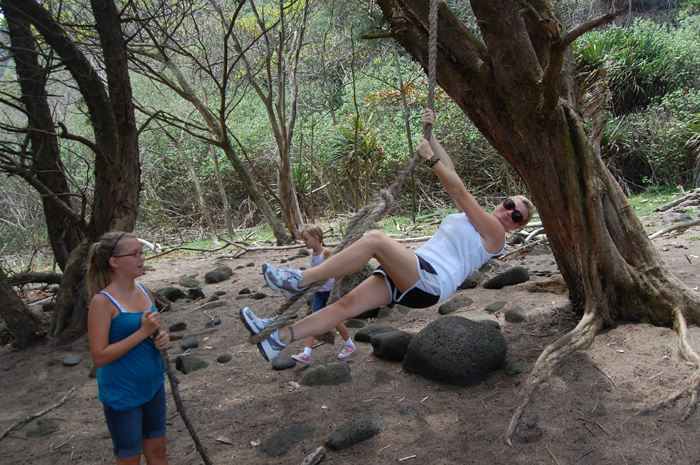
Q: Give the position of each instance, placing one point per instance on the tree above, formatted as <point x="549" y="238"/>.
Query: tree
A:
<point x="115" y="145"/>
<point x="518" y="87"/>
<point x="21" y="322"/>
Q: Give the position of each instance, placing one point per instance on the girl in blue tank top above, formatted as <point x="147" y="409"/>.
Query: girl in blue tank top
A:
<point x="125" y="335"/>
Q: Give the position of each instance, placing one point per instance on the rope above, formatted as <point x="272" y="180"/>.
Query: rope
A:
<point x="365" y="218"/>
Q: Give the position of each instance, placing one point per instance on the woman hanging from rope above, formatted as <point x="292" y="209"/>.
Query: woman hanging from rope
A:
<point x="420" y="279"/>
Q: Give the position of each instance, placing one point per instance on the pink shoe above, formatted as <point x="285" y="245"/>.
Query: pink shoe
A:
<point x="347" y="350"/>
<point x="303" y="358"/>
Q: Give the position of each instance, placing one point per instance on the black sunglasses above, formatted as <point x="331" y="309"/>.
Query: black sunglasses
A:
<point x="516" y="216"/>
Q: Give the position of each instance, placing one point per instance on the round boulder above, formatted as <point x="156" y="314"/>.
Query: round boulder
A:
<point x="456" y="350"/>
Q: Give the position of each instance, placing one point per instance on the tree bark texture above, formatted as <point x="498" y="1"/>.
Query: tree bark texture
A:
<point x="19" y="320"/>
<point x="505" y="85"/>
<point x="117" y="169"/>
<point x="45" y="152"/>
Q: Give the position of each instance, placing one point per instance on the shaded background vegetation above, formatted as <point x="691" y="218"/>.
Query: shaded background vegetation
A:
<point x="350" y="138"/>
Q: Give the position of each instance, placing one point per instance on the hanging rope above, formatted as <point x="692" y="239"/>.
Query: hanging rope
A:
<point x="368" y="215"/>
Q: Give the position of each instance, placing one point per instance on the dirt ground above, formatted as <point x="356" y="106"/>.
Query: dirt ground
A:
<point x="588" y="411"/>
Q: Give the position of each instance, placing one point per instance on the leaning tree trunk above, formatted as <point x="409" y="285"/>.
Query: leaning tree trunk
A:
<point x="518" y="88"/>
<point x="19" y="320"/>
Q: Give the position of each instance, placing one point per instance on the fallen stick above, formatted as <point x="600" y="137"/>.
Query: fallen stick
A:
<point x="181" y="407"/>
<point x="37" y="415"/>
<point x="315" y="457"/>
<point x="678" y="227"/>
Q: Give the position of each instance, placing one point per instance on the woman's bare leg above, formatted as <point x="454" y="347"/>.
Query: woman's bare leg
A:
<point x="398" y="262"/>
<point x="372" y="293"/>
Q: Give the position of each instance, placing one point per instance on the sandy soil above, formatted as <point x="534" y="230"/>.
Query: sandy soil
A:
<point x="588" y="411"/>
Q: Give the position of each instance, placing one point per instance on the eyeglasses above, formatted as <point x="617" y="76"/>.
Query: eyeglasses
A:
<point x="516" y="216"/>
<point x="137" y="254"/>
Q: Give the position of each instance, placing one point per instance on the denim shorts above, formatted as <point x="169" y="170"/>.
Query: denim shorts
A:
<point x="320" y="300"/>
<point x="424" y="293"/>
<point x="129" y="428"/>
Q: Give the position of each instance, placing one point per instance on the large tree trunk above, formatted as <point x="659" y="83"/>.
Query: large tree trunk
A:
<point x="19" y="320"/>
<point x="46" y="156"/>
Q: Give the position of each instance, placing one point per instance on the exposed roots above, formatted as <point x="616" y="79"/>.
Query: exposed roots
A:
<point x="579" y="338"/>
<point x="691" y="356"/>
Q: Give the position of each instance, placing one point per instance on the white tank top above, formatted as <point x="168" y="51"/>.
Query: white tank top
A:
<point x="455" y="251"/>
<point x="315" y="261"/>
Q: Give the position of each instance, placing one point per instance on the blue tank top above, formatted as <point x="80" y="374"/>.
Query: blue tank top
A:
<point x="132" y="379"/>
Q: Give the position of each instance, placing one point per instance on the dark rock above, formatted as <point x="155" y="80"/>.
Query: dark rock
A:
<point x="209" y="324"/>
<point x="454" y="304"/>
<point x="213" y="277"/>
<point x="188" y="281"/>
<point x="352" y="281"/>
<point x="220" y="293"/>
<point x="282" y="438"/>
<point x="282" y="362"/>
<point x="473" y="280"/>
<point x="391" y="345"/>
<point x="175" y="337"/>
<point x="354" y="323"/>
<point x="495" y="306"/>
<point x="224" y="358"/>
<point x="250" y="265"/>
<point x="384" y="312"/>
<point x="71" y="361"/>
<point x="515" y="314"/>
<point x="216" y="321"/>
<point x="43" y="427"/>
<point x="212" y="298"/>
<point x="189" y="343"/>
<point x="189" y="363"/>
<point x="93" y="372"/>
<point x="532" y="420"/>
<point x="171" y="293"/>
<point x="195" y="293"/>
<point x="539" y="251"/>
<point x="382" y="377"/>
<point x="357" y="428"/>
<point x="225" y="269"/>
<point x="240" y="267"/>
<point x="366" y="334"/>
<point x="258" y="296"/>
<point x="514" y="366"/>
<point x="509" y="277"/>
<point x="240" y="297"/>
<point x="48" y="307"/>
<point x="147" y="268"/>
<point x="303" y="252"/>
<point x="245" y="290"/>
<point x="181" y="326"/>
<point x="332" y="374"/>
<point x="409" y="411"/>
<point x="455" y="350"/>
<point x="368" y="314"/>
<point x="515" y="239"/>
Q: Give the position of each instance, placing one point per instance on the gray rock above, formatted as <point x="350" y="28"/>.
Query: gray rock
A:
<point x="402" y="309"/>
<point x="455" y="350"/>
<point x="282" y="362"/>
<point x="220" y="293"/>
<point x="409" y="411"/>
<point x="282" y="438"/>
<point x="384" y="312"/>
<point x="354" y="323"/>
<point x="189" y="363"/>
<point x="181" y="326"/>
<point x="332" y="374"/>
<point x="195" y="293"/>
<point x="352" y="281"/>
<point x="366" y="334"/>
<point x="539" y="251"/>
<point x="188" y="281"/>
<point x="226" y="269"/>
<point x="93" y="372"/>
<point x="171" y="293"/>
<point x="532" y="420"/>
<point x="189" y="343"/>
<point x="509" y="277"/>
<point x="515" y="239"/>
<point x="258" y="296"/>
<point x="514" y="366"/>
<point x="495" y="306"/>
<point x="71" y="360"/>
<point x="391" y="345"/>
<point x="674" y="217"/>
<point x="213" y="277"/>
<point x="214" y="304"/>
<point x="472" y="281"/>
<point x="216" y="321"/>
<point x="454" y="304"/>
<point x="515" y="314"/>
<point x="43" y="427"/>
<point x="303" y="252"/>
<point x="224" y="358"/>
<point x="479" y="317"/>
<point x="357" y="428"/>
<point x="244" y="291"/>
<point x="212" y="298"/>
<point x="209" y="324"/>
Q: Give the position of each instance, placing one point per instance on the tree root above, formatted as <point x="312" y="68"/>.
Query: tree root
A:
<point x="579" y="338"/>
<point x="691" y="356"/>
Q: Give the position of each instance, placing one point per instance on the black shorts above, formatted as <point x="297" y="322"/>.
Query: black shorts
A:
<point x="421" y="294"/>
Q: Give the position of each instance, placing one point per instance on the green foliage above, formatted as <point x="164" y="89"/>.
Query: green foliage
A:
<point x="647" y="201"/>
